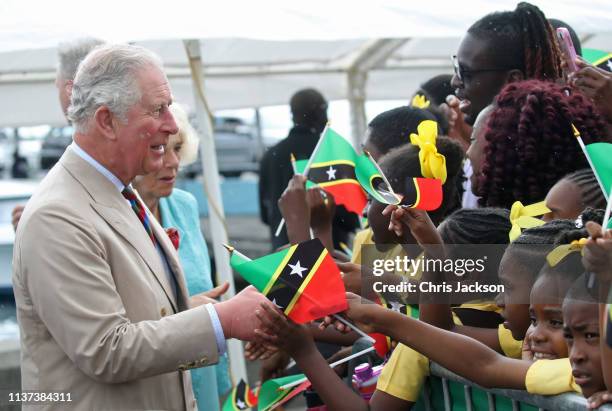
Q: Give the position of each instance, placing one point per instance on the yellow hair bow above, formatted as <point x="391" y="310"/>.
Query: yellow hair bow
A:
<point x="559" y="253"/>
<point x="420" y="101"/>
<point x="523" y="217"/>
<point x="433" y="164"/>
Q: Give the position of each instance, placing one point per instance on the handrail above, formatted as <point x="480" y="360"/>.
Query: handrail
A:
<point x="562" y="402"/>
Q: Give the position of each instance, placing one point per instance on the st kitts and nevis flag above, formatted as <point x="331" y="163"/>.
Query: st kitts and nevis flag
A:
<point x="383" y="343"/>
<point x="348" y="176"/>
<point x="271" y="395"/>
<point x="240" y="398"/>
<point x="598" y="58"/>
<point x="600" y="159"/>
<point x="303" y="280"/>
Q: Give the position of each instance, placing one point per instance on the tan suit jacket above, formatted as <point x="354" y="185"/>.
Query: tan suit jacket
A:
<point x="97" y="314"/>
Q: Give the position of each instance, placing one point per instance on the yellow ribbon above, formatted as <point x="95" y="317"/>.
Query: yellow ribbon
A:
<point x="523" y="217"/>
<point x="420" y="101"/>
<point x="559" y="253"/>
<point x="433" y="164"/>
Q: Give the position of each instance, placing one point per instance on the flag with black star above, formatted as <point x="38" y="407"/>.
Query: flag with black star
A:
<point x="272" y="394"/>
<point x="240" y="398"/>
<point x="303" y="280"/>
<point x="383" y="343"/>
<point x="598" y="58"/>
<point x="338" y="169"/>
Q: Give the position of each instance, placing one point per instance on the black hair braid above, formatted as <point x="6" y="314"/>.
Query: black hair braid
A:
<point x="578" y="232"/>
<point x="392" y="128"/>
<point x="589" y="187"/>
<point x="477" y="226"/>
<point x="534" y="244"/>
<point x="526" y="38"/>
<point x="542" y="56"/>
<point x="570" y="267"/>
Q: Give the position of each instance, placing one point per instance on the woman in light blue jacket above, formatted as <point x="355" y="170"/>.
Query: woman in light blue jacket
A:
<point x="178" y="209"/>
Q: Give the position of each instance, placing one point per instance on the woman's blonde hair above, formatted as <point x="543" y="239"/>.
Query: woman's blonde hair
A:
<point x="191" y="140"/>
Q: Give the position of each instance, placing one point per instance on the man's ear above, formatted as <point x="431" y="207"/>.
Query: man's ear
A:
<point x="515" y="75"/>
<point x="68" y="88"/>
<point x="104" y="121"/>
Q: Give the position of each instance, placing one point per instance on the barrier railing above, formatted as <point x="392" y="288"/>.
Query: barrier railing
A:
<point x="447" y="391"/>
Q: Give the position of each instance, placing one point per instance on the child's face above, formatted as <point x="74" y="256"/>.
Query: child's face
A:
<point x="514" y="299"/>
<point x="547" y="339"/>
<point x="564" y="200"/>
<point x="581" y="329"/>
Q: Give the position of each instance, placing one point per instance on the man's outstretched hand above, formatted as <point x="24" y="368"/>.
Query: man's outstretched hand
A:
<point x="237" y="315"/>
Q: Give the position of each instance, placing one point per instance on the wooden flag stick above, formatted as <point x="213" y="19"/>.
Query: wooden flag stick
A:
<point x="293" y="166"/>
<point x="607" y="195"/>
<point x="306" y="170"/>
<point x="232" y="250"/>
<point x="354" y="327"/>
<point x="606" y="220"/>
<point x="586" y="154"/>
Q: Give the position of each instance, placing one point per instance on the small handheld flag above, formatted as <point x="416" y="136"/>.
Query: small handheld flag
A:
<point x="240" y="398"/>
<point x="598" y="155"/>
<point x="272" y="395"/>
<point x="336" y="167"/>
<point x="423" y="193"/>
<point x="383" y="343"/>
<point x="303" y="280"/>
<point x="598" y="58"/>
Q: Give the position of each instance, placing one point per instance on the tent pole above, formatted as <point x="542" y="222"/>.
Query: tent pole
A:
<point x="213" y="190"/>
<point x="356" y="98"/>
<point x="371" y="55"/>
<point x="259" y="130"/>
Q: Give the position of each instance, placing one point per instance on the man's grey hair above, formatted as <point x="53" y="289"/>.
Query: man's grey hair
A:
<point x="108" y="77"/>
<point x="70" y="54"/>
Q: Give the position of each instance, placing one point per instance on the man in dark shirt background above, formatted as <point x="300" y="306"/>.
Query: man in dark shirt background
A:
<point x="309" y="112"/>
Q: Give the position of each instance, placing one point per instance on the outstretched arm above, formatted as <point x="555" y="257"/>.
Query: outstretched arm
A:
<point x="460" y="354"/>
<point x="297" y="341"/>
<point x="418" y="223"/>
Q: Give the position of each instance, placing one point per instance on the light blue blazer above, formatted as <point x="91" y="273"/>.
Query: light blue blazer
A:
<point x="180" y="210"/>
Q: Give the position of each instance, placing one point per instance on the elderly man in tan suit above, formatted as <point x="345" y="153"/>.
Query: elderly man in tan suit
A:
<point x="101" y="300"/>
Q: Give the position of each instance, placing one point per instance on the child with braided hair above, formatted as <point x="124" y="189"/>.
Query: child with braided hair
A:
<point x="549" y="374"/>
<point x="529" y="144"/>
<point x="572" y="194"/>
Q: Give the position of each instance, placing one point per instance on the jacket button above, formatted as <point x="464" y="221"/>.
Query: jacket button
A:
<point x="182" y="367"/>
<point x="204" y="360"/>
<point x="163" y="312"/>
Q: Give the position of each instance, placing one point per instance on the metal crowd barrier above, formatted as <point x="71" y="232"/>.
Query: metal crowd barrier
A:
<point x="447" y="391"/>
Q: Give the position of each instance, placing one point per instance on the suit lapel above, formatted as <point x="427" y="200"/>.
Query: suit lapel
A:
<point x="115" y="210"/>
<point x="173" y="262"/>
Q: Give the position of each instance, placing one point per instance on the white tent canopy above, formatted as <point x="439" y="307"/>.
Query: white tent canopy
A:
<point x="249" y="73"/>
<point x="258" y="53"/>
<point x="36" y="24"/>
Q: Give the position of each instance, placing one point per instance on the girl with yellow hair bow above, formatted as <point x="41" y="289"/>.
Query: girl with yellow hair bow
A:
<point x="433" y="164"/>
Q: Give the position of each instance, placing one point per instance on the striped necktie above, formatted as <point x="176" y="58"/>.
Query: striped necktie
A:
<point x="139" y="210"/>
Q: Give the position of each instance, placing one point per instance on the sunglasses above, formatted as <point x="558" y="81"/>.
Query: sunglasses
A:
<point x="461" y="73"/>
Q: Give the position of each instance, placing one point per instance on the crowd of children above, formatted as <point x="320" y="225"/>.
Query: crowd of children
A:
<point x="550" y="330"/>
